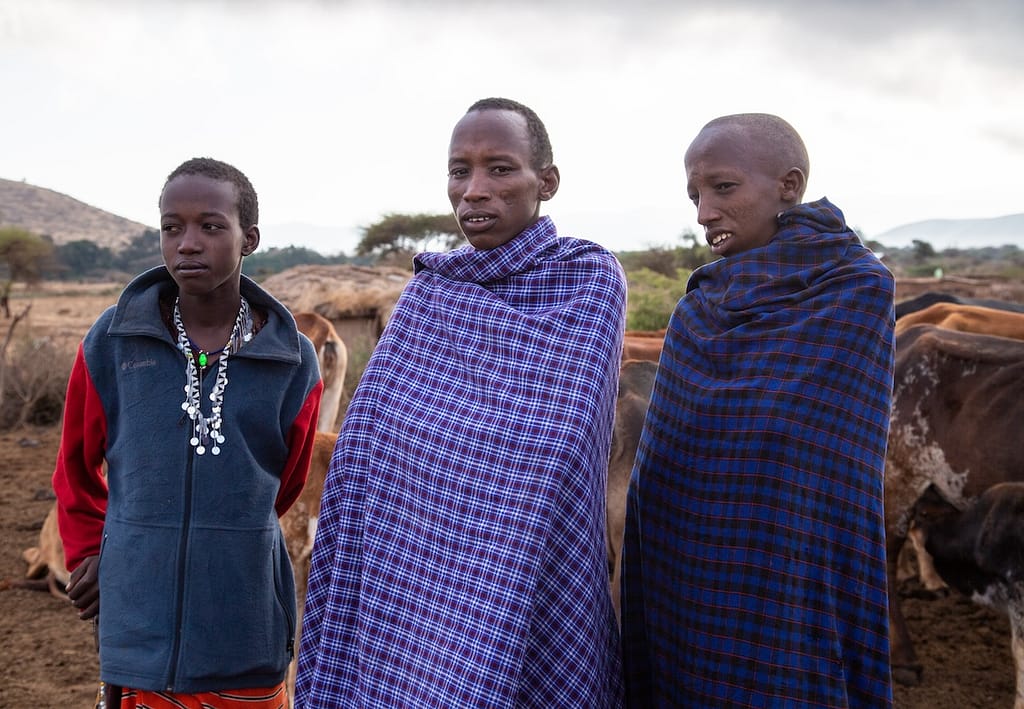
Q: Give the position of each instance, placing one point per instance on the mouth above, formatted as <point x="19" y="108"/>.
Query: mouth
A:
<point x="477" y="221"/>
<point x="190" y="268"/>
<point x="718" y="240"/>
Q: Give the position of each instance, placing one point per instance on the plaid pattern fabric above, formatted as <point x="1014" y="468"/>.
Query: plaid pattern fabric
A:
<point x="754" y="559"/>
<point x="460" y="558"/>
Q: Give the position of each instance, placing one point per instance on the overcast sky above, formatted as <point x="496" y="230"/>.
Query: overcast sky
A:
<point x="340" y="112"/>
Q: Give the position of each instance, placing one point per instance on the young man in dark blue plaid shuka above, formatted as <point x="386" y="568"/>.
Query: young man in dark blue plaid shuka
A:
<point x="754" y="565"/>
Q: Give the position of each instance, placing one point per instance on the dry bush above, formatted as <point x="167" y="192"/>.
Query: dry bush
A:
<point x="35" y="381"/>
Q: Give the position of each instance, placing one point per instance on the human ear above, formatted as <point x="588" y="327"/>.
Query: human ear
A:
<point x="549" y="179"/>
<point x="792" y="185"/>
<point x="250" y="240"/>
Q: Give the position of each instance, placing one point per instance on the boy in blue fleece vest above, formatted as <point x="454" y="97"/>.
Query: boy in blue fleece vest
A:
<point x="201" y="397"/>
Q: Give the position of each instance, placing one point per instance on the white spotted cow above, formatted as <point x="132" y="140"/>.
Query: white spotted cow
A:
<point x="956" y="423"/>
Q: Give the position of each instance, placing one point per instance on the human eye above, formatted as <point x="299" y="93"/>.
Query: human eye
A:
<point x="212" y="226"/>
<point x="694" y="197"/>
<point x="170" y="228"/>
<point x="724" y="186"/>
<point x="502" y="170"/>
<point x="457" y="171"/>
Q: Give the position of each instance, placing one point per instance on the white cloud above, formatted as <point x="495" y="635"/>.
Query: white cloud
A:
<point x="340" y="111"/>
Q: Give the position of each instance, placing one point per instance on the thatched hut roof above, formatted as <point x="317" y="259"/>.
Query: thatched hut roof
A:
<point x="340" y="292"/>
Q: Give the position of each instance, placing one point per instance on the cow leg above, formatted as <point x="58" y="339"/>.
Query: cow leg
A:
<point x="1015" y="611"/>
<point x="926" y="572"/>
<point x="906" y="669"/>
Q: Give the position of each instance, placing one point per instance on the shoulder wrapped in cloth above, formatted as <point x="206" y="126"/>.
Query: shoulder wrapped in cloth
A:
<point x="755" y="567"/>
<point x="459" y="558"/>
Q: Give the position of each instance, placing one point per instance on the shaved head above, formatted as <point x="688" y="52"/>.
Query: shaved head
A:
<point x="742" y="171"/>
<point x="769" y="140"/>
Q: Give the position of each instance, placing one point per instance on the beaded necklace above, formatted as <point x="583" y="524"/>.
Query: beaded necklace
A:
<point x="207" y="429"/>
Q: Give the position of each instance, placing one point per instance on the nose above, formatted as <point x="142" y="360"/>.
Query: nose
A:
<point x="707" y="212"/>
<point x="189" y="242"/>
<point x="477" y="187"/>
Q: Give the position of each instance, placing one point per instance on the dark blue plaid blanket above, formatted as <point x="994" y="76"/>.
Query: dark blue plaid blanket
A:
<point x="460" y="558"/>
<point x="754" y="556"/>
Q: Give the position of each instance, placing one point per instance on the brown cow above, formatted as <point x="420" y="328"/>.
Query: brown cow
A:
<point x="643" y="344"/>
<point x="980" y="551"/>
<point x="299" y="522"/>
<point x="46" y="565"/>
<point x="299" y="527"/>
<point x="912" y="305"/>
<point x="966" y="318"/>
<point x="957" y="414"/>
<point x="636" y="379"/>
<point x="333" y="362"/>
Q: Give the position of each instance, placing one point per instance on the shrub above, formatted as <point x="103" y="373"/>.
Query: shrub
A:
<point x="653" y="297"/>
<point x="35" y="381"/>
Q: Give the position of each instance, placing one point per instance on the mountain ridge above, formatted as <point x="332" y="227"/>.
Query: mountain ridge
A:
<point x="958" y="233"/>
<point x="63" y="218"/>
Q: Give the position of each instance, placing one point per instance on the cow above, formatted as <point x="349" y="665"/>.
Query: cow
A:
<point x="643" y="345"/>
<point x="333" y="357"/>
<point x="636" y="380"/>
<point x="979" y="550"/>
<point x="912" y="305"/>
<point x="299" y="527"/>
<point x="966" y="318"/>
<point x="47" y="570"/>
<point x="957" y="413"/>
<point x="299" y="522"/>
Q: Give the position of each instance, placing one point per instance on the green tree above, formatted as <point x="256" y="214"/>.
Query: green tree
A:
<point x="276" y="259"/>
<point x="667" y="260"/>
<point x="409" y="233"/>
<point x="143" y="252"/>
<point x="82" y="257"/>
<point x="25" y="256"/>
<point x="694" y="252"/>
<point x="923" y="250"/>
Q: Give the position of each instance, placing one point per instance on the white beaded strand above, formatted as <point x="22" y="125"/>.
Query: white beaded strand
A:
<point x="205" y="429"/>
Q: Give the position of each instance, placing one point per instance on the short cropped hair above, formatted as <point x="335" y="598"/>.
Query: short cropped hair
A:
<point x="779" y="140"/>
<point x="541" y="156"/>
<point x="248" y="204"/>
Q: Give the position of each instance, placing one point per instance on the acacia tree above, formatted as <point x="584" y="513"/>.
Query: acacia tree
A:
<point x="409" y="233"/>
<point x="25" y="255"/>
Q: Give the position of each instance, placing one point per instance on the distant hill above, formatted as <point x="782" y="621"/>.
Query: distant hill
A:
<point x="65" y="219"/>
<point x="958" y="233"/>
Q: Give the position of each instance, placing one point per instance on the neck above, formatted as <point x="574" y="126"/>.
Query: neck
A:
<point x="209" y="321"/>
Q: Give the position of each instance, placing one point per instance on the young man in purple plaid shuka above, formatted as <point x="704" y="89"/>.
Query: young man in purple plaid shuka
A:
<point x="754" y="565"/>
<point x="459" y="559"/>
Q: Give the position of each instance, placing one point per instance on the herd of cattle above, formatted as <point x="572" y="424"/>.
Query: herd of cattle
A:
<point x="954" y="478"/>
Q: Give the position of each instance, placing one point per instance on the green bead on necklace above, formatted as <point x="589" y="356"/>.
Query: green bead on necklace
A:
<point x="202" y="357"/>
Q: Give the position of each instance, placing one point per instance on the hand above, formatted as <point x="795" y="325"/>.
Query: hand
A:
<point x="84" y="588"/>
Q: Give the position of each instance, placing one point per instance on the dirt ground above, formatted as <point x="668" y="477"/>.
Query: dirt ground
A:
<point x="49" y="659"/>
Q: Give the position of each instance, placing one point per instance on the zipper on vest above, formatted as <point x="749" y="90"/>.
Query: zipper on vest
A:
<point x="179" y="597"/>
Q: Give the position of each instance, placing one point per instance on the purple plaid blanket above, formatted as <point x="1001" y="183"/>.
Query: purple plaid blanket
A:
<point x="460" y="557"/>
<point x="754" y="560"/>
